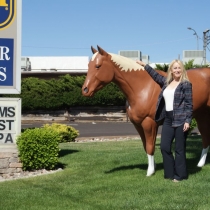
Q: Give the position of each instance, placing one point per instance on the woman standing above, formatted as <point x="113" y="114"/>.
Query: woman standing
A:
<point x="175" y="107"/>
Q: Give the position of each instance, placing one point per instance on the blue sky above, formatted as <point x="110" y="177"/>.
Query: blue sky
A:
<point x="157" y="28"/>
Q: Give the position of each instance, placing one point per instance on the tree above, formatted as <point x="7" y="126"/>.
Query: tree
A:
<point x="161" y="67"/>
<point x="190" y="65"/>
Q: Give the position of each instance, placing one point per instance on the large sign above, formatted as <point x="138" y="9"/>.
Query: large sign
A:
<point x="10" y="118"/>
<point x="10" y="46"/>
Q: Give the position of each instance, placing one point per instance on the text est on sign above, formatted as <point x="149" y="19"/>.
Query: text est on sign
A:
<point x="10" y="115"/>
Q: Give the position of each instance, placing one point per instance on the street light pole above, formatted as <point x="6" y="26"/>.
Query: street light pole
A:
<point x="205" y="43"/>
<point x="195" y="35"/>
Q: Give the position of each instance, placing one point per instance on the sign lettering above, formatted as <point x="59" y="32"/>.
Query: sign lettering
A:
<point x="6" y="62"/>
<point x="4" y="53"/>
<point x="3" y="75"/>
<point x="6" y="138"/>
<point x="7" y="112"/>
<point x="10" y="120"/>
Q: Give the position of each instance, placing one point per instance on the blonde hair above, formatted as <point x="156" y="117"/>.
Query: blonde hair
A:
<point x="183" y="77"/>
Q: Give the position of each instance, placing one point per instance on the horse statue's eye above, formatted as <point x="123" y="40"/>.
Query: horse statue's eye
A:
<point x="98" y="66"/>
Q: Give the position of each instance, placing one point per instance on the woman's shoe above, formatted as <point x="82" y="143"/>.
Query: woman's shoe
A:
<point x="175" y="180"/>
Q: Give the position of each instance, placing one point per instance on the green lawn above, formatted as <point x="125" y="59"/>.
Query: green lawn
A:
<point x="110" y="175"/>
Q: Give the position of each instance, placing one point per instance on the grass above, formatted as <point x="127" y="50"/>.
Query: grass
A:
<point x="110" y="176"/>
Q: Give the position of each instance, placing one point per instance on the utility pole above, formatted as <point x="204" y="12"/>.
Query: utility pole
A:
<point x="205" y="43"/>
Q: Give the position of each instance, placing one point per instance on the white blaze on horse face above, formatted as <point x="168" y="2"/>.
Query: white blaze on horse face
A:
<point x="94" y="55"/>
<point x="87" y="82"/>
<point x="97" y="62"/>
<point x="126" y="64"/>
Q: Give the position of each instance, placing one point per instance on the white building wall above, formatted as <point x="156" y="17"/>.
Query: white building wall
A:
<point x="145" y="59"/>
<point x="153" y="65"/>
<point x="132" y="54"/>
<point x="59" y="63"/>
<point x="196" y="55"/>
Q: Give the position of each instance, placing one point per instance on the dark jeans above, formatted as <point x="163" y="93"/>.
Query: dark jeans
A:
<point x="174" y="168"/>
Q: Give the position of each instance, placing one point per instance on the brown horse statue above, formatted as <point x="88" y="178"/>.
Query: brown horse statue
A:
<point x="142" y="93"/>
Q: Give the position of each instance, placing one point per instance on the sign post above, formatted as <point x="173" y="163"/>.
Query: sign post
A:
<point x="10" y="70"/>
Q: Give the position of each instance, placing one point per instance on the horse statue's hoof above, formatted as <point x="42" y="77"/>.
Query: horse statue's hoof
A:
<point x="202" y="161"/>
<point x="152" y="165"/>
<point x="150" y="172"/>
<point x="203" y="157"/>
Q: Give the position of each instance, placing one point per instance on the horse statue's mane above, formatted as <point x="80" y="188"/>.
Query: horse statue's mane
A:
<point x="125" y="64"/>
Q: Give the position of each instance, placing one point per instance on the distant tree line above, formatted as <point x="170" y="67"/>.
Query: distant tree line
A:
<point x="62" y="93"/>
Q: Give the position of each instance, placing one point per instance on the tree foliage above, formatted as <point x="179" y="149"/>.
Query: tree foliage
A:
<point x="190" y="65"/>
<point x="65" y="92"/>
<point x="164" y="67"/>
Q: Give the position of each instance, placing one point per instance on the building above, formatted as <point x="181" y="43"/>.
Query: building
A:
<point x="25" y="64"/>
<point x="145" y="59"/>
<point x="153" y="65"/>
<point x="132" y="54"/>
<point x="55" y="63"/>
<point x="53" y="66"/>
<point x="196" y="55"/>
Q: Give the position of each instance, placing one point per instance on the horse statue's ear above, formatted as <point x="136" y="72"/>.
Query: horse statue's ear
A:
<point x="93" y="50"/>
<point x="101" y="51"/>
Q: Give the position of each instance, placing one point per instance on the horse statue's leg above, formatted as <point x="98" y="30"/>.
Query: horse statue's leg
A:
<point x="148" y="131"/>
<point x="203" y="121"/>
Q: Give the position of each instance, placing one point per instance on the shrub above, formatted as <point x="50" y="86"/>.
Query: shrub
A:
<point x="193" y="125"/>
<point x="38" y="148"/>
<point x="67" y="133"/>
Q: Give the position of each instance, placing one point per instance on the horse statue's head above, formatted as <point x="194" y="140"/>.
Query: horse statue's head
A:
<point x="104" y="68"/>
<point x="100" y="72"/>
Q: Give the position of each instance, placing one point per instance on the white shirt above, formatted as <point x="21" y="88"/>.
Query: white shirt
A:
<point x="168" y="95"/>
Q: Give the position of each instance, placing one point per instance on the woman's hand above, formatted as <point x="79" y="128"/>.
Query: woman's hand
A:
<point x="186" y="127"/>
<point x="141" y="63"/>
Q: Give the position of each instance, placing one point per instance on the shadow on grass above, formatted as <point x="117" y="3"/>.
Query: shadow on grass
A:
<point x="64" y="152"/>
<point x="60" y="165"/>
<point x="191" y="165"/>
<point x="159" y="166"/>
<point x="194" y="148"/>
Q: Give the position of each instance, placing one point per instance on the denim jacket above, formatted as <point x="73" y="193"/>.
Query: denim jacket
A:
<point x="182" y="106"/>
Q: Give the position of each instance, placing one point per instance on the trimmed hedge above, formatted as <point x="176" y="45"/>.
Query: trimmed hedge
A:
<point x="38" y="148"/>
<point x="65" y="92"/>
<point x="67" y="133"/>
